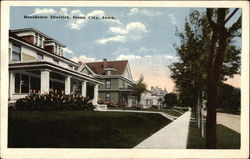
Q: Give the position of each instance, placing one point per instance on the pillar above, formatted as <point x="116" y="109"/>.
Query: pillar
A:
<point x="95" y="94"/>
<point x="45" y="81"/>
<point x="67" y="84"/>
<point x="84" y="88"/>
<point x="11" y="84"/>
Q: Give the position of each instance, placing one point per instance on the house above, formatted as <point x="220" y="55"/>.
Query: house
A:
<point x="158" y="91"/>
<point x="117" y="79"/>
<point x="148" y="100"/>
<point x="37" y="64"/>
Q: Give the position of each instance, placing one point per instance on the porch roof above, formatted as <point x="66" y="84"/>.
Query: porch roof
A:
<point x="40" y="65"/>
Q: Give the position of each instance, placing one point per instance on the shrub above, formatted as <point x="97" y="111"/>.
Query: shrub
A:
<point x="111" y="104"/>
<point x="53" y="101"/>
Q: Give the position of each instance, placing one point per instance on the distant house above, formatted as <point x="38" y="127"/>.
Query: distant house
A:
<point x="149" y="100"/>
<point x="159" y="92"/>
<point x="37" y="64"/>
<point x="117" y="79"/>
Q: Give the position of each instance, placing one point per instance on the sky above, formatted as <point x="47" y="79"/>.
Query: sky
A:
<point x="142" y="35"/>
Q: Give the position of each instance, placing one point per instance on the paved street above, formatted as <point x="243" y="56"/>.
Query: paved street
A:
<point x="229" y="120"/>
<point x="172" y="136"/>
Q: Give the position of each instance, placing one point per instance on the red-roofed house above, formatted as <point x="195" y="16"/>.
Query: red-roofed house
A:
<point x="37" y="63"/>
<point x="117" y="79"/>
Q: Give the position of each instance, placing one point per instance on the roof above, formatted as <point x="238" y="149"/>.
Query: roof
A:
<point x="13" y="35"/>
<point x="37" y="31"/>
<point x="98" y="67"/>
<point x="38" y="65"/>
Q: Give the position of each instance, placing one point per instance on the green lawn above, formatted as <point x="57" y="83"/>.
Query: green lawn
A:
<point x="79" y="129"/>
<point x="164" y="110"/>
<point x="226" y="138"/>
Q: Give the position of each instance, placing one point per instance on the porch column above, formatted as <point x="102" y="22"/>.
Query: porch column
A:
<point x="95" y="94"/>
<point x="84" y="88"/>
<point x="11" y="84"/>
<point x="45" y="81"/>
<point x="67" y="84"/>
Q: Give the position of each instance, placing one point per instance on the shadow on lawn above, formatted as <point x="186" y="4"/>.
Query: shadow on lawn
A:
<point x="226" y="138"/>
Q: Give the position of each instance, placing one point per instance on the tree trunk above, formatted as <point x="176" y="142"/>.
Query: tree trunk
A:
<point x="214" y="75"/>
<point x="211" y="107"/>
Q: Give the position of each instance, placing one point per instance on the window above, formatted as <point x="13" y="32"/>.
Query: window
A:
<point x="59" y="50"/>
<point x="109" y="72"/>
<point x="56" y="61"/>
<point x="21" y="83"/>
<point x="36" y="39"/>
<point x="71" y="67"/>
<point x="123" y="84"/>
<point x="17" y="83"/>
<point x="39" y="57"/>
<point x="40" y="41"/>
<point x="35" y="84"/>
<point x="107" y="97"/>
<point x="108" y="84"/>
<point x="24" y="84"/>
<point x="16" y="52"/>
<point x="85" y="71"/>
<point x="61" y="53"/>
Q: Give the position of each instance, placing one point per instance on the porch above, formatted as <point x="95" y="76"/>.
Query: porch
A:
<point x="41" y="76"/>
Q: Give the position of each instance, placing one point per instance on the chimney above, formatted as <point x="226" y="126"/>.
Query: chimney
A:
<point x="80" y="62"/>
<point x="104" y="63"/>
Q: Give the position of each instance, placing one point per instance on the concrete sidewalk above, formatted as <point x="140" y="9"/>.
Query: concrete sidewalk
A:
<point x="172" y="136"/>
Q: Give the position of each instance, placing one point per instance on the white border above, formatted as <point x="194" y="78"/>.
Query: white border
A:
<point x="126" y="153"/>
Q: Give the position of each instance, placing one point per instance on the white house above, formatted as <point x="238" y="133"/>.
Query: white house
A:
<point x="148" y="100"/>
<point x="37" y="63"/>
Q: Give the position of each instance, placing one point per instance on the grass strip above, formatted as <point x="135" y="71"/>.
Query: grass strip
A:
<point x="226" y="138"/>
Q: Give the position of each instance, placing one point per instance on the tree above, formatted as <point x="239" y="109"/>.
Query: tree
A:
<point x="189" y="72"/>
<point x="139" y="88"/>
<point x="229" y="99"/>
<point x="200" y="54"/>
<point x="221" y="39"/>
<point x="170" y="99"/>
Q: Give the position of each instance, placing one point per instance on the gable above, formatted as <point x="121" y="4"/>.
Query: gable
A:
<point x="86" y="70"/>
<point x="127" y="73"/>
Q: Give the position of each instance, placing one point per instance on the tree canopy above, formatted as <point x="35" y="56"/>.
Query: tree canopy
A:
<point x="189" y="73"/>
<point x="170" y="99"/>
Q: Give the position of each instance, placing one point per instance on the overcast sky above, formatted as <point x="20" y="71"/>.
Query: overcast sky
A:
<point x="144" y="36"/>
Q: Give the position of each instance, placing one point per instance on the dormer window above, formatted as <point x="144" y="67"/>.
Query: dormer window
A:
<point x="109" y="71"/>
<point x="36" y="39"/>
<point x="40" y="41"/>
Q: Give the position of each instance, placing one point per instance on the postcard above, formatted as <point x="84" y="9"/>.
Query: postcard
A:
<point x="117" y="79"/>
